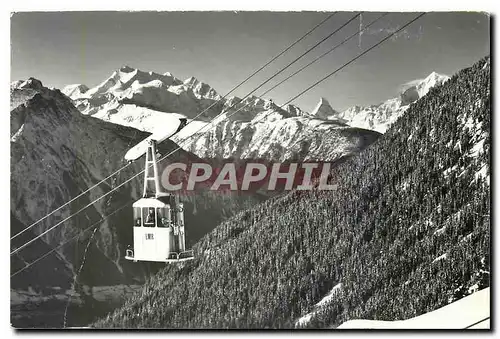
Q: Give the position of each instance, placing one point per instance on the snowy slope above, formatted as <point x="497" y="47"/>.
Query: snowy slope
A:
<point x="249" y="128"/>
<point x="265" y="131"/>
<point x="471" y="312"/>
<point x="252" y="127"/>
<point x="272" y="134"/>
<point x="146" y="119"/>
<point x="380" y="117"/>
<point x="75" y="90"/>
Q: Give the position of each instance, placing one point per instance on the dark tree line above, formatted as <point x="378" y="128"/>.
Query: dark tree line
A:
<point x="405" y="232"/>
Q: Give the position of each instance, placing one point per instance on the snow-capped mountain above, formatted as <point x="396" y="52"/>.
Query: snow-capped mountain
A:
<point x="265" y="131"/>
<point x="252" y="127"/>
<point x="159" y="92"/>
<point x="296" y="111"/>
<point x="131" y="97"/>
<point x="323" y="110"/>
<point x="257" y="128"/>
<point x="236" y="109"/>
<point x="249" y="127"/>
<point x="381" y="116"/>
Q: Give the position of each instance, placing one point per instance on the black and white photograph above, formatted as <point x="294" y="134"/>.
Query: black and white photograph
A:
<point x="250" y="170"/>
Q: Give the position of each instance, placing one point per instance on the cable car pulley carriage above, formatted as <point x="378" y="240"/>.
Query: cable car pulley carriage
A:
<point x="159" y="230"/>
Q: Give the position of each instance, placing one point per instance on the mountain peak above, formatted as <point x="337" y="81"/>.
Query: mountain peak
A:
<point x="419" y="88"/>
<point x="191" y="81"/>
<point x="147" y="89"/>
<point x="126" y="69"/>
<point x="435" y="74"/>
<point x="52" y="104"/>
<point x="323" y="100"/>
<point x="435" y="78"/>
<point x="30" y="83"/>
<point x="295" y="111"/>
<point x="323" y="109"/>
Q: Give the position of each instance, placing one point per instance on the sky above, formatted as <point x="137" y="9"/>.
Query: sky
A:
<point x="223" y="48"/>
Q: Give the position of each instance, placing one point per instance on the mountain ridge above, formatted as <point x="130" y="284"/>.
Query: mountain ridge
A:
<point x="138" y="99"/>
<point x="148" y="101"/>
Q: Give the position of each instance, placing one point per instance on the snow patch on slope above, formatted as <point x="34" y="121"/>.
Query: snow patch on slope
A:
<point x="75" y="91"/>
<point x="304" y="320"/>
<point x="441" y="257"/>
<point x="472" y="311"/>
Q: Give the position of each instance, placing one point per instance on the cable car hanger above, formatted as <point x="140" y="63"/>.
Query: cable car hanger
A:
<point x="159" y="229"/>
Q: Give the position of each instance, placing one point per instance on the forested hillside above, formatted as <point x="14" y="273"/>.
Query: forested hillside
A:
<point x="406" y="231"/>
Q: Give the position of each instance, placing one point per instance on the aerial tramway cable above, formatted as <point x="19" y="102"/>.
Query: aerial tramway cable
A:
<point x="279" y="72"/>
<point x="295" y="97"/>
<point x="310" y="63"/>
<point x="136" y="175"/>
<point x="71" y="239"/>
<point x="325" y="53"/>
<point x="212" y="105"/>
<point x="338" y="69"/>
<point x="303" y="54"/>
<point x="354" y="59"/>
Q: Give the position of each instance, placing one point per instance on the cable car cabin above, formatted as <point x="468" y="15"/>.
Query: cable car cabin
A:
<point x="158" y="221"/>
<point x="158" y="231"/>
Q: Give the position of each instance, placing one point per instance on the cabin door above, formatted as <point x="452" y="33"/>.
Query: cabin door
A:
<point x="149" y="234"/>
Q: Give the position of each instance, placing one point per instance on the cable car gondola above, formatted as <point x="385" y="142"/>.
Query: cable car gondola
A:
<point x="159" y="233"/>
